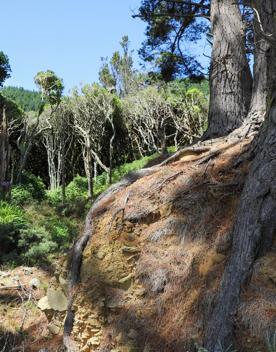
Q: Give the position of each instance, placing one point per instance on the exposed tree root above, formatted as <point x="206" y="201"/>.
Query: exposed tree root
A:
<point x="253" y="233"/>
<point x="76" y="256"/>
<point x="209" y="150"/>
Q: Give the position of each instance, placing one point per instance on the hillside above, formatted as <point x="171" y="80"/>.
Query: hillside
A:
<point x="27" y="100"/>
<point x="157" y="247"/>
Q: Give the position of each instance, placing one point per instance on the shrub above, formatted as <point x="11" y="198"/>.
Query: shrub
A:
<point x="54" y="197"/>
<point x="76" y="191"/>
<point x="77" y="188"/>
<point x="20" y="195"/>
<point x="31" y="188"/>
<point x="35" y="244"/>
<point x="12" y="222"/>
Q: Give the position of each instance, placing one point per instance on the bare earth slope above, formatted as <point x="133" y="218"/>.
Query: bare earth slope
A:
<point x="145" y="271"/>
<point x="156" y="251"/>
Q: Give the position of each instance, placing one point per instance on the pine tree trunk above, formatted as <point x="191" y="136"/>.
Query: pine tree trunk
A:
<point x="256" y="222"/>
<point x="264" y="58"/>
<point x="254" y="228"/>
<point x="230" y="76"/>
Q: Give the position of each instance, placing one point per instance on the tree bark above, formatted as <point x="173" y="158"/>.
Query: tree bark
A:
<point x="256" y="222"/>
<point x="254" y="228"/>
<point x="230" y="76"/>
<point x="88" y="167"/>
<point x="4" y="146"/>
<point x="264" y="62"/>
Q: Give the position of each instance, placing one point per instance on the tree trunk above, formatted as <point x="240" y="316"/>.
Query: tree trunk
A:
<point x="63" y="181"/>
<point x="4" y="145"/>
<point x="256" y="222"/>
<point x="88" y="168"/>
<point x="111" y="149"/>
<point x="24" y="153"/>
<point x="254" y="227"/>
<point x="264" y="57"/>
<point x="230" y="76"/>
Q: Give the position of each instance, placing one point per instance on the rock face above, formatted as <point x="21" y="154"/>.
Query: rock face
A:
<point x="43" y="303"/>
<point x="150" y="272"/>
<point x="57" y="299"/>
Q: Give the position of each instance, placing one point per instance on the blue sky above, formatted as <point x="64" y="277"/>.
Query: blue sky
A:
<point x="66" y="36"/>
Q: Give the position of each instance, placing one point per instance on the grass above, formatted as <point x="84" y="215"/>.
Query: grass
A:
<point x="76" y="191"/>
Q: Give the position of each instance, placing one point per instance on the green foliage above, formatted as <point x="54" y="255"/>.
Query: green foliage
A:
<point x="51" y="86"/>
<point x="166" y="34"/>
<point x="20" y="195"/>
<point x="77" y="188"/>
<point x="11" y="215"/>
<point x="13" y="111"/>
<point x="54" y="197"/>
<point x="118" y="73"/>
<point x="101" y="182"/>
<point x="76" y="191"/>
<point x="5" y="69"/>
<point x="12" y="222"/>
<point x="31" y="188"/>
<point x="30" y="235"/>
<point x="27" y="100"/>
<point x="35" y="244"/>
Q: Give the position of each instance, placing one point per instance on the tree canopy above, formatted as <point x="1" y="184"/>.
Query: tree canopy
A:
<point x="5" y="69"/>
<point x="169" y="25"/>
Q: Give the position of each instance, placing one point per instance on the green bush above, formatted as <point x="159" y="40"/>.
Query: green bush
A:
<point x="46" y="234"/>
<point x="20" y="195"/>
<point x="35" y="244"/>
<point x="77" y="188"/>
<point x="29" y="236"/>
<point x="54" y="197"/>
<point x="12" y="223"/>
<point x="31" y="188"/>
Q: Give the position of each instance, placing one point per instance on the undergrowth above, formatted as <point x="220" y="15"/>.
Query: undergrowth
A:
<point x="34" y="224"/>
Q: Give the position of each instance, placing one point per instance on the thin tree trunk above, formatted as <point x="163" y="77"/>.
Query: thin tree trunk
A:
<point x="22" y="162"/>
<point x="88" y="166"/>
<point x="111" y="150"/>
<point x="63" y="183"/>
<point x="4" y="146"/>
<point x="230" y="77"/>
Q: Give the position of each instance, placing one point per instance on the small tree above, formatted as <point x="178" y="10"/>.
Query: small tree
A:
<point x="51" y="87"/>
<point x="148" y="117"/>
<point x="54" y="126"/>
<point x="190" y="107"/>
<point x="93" y="113"/>
<point x="57" y="137"/>
<point x="119" y="74"/>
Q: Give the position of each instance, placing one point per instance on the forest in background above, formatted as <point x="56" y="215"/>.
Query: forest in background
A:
<point x="63" y="151"/>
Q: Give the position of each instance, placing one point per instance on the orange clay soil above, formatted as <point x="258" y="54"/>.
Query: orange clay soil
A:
<point x="156" y="256"/>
